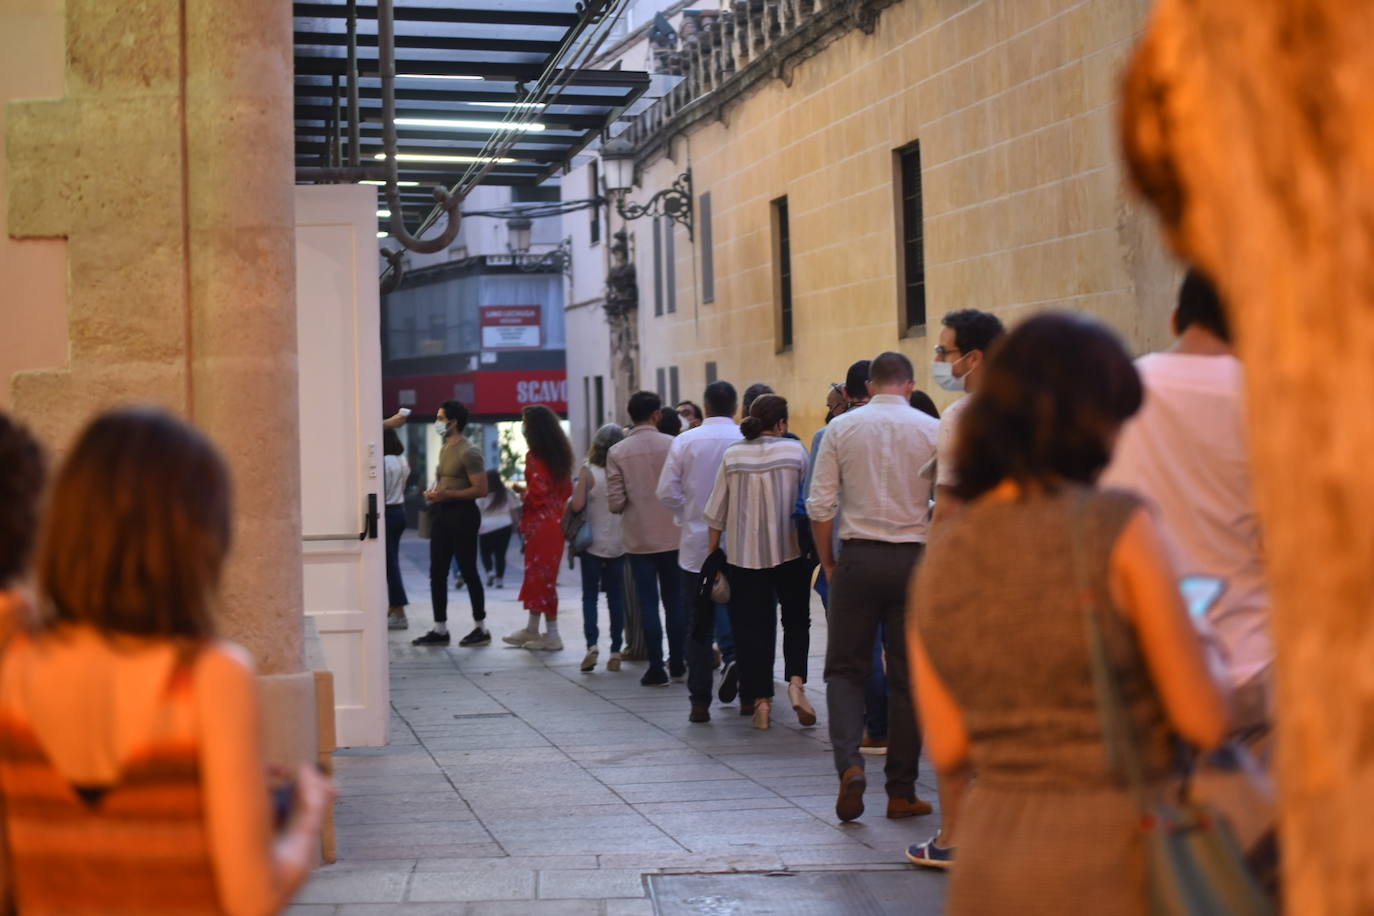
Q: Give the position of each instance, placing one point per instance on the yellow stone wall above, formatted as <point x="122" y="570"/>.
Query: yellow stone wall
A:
<point x="1013" y="102"/>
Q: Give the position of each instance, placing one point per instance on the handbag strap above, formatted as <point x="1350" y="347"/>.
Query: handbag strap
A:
<point x="1118" y="735"/>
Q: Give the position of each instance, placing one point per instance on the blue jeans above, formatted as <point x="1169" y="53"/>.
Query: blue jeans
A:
<point x="595" y="572"/>
<point x="715" y="627"/>
<point x="657" y="575"/>
<point x="875" y="693"/>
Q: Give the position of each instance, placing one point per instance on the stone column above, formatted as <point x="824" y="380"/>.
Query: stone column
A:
<point x="168" y="167"/>
<point x="1251" y="128"/>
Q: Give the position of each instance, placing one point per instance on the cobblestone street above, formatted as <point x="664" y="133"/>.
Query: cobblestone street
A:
<point x="514" y="783"/>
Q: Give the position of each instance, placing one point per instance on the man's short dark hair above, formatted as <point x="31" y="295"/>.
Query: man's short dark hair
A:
<point x="642" y="406"/>
<point x="891" y="369"/>
<point x="456" y="411"/>
<point x="22" y="473"/>
<point x="1199" y="303"/>
<point x="753" y="393"/>
<point x="856" y="380"/>
<point x="669" y="423"/>
<point x="973" y="330"/>
<point x="721" y="399"/>
<point x="696" y="411"/>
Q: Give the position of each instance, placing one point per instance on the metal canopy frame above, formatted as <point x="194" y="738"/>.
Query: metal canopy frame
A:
<point x="508" y="44"/>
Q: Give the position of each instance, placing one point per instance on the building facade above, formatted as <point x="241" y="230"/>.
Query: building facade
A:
<point x="858" y="169"/>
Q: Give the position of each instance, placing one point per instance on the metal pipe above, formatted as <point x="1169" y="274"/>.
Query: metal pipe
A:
<point x="336" y="134"/>
<point x="354" y="122"/>
<point x="386" y="50"/>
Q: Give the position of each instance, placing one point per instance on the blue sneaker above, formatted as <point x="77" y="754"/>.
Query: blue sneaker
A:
<point x="928" y="855"/>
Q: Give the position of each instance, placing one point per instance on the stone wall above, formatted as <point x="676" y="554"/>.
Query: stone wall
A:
<point x="1014" y="105"/>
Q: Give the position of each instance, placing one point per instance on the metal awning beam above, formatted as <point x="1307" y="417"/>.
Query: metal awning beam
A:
<point x="457" y="16"/>
<point x="434" y="43"/>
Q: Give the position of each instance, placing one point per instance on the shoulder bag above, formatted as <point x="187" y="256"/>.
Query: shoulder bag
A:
<point x="577" y="529"/>
<point x="1195" y="867"/>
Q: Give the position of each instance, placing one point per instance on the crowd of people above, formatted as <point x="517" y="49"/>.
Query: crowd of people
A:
<point x="1076" y="520"/>
<point x="952" y="554"/>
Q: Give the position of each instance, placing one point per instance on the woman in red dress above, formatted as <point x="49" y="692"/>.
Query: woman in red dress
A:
<point x="548" y="485"/>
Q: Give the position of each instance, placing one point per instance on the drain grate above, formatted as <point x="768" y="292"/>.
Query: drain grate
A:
<point x="817" y="893"/>
<point x="484" y="715"/>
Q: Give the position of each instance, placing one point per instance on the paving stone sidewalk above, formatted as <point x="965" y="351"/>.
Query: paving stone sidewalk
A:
<point x="514" y="783"/>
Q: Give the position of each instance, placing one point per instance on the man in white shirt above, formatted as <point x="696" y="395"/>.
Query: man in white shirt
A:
<point x="869" y="465"/>
<point x="684" y="486"/>
<point x="1185" y="453"/>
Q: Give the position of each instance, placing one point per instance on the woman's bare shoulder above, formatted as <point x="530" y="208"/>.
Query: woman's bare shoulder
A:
<point x="223" y="662"/>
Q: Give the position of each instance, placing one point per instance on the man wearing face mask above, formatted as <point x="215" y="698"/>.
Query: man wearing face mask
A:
<point x="461" y="479"/>
<point x="966" y="336"/>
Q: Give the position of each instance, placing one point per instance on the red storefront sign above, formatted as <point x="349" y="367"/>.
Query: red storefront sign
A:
<point x="488" y="393"/>
<point x="511" y="327"/>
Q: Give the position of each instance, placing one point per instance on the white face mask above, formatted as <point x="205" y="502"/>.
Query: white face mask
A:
<point x="943" y="374"/>
<point x="441" y="428"/>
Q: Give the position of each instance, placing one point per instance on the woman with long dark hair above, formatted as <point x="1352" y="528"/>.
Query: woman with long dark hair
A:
<point x="1001" y="609"/>
<point x="498" y="522"/>
<point x="396" y="470"/>
<point x="752" y="504"/>
<point x="548" y="485"/>
<point x="131" y="763"/>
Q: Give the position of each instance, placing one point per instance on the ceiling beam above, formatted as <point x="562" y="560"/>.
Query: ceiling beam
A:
<point x="510" y="17"/>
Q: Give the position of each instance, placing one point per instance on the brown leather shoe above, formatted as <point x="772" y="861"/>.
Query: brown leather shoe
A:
<point x="700" y="714"/>
<point x="907" y="807"/>
<point x="850" y="804"/>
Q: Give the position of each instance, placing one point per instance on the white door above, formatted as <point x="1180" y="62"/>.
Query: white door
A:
<point x="339" y="342"/>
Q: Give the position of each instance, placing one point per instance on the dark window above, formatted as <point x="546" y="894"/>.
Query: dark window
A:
<point x="662" y="389"/>
<point x="599" y="386"/>
<point x="591" y="417"/>
<point x="594" y="180"/>
<point x="708" y="267"/>
<point x="530" y="194"/>
<point x="669" y="267"/>
<point x="672" y="386"/>
<point x="658" y="266"/>
<point x="710" y="372"/>
<point x="912" y="229"/>
<point x="782" y="255"/>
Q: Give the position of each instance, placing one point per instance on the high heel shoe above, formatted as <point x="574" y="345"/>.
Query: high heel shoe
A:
<point x="806" y="715"/>
<point x="761" y="710"/>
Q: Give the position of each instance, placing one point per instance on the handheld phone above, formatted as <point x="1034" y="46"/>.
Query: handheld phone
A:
<point x="1200" y="593"/>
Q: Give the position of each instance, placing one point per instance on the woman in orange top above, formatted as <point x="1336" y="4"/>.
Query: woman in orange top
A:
<point x="131" y="766"/>
<point x="548" y="486"/>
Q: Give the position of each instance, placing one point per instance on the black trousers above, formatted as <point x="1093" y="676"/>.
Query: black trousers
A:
<point x="494" y="547"/>
<point x="453" y="535"/>
<point x="869" y="588"/>
<point x="755" y="624"/>
<point x="395" y="524"/>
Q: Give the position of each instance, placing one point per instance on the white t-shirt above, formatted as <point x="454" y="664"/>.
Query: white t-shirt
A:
<point x="494" y="518"/>
<point x="1185" y="453"/>
<point x="945" y="475"/>
<point x="395" y="471"/>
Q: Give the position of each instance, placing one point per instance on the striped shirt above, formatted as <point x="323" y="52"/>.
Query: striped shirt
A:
<point x="138" y="845"/>
<point x="753" y="500"/>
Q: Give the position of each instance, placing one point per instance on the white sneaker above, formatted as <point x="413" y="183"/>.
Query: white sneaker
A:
<point x="546" y="642"/>
<point x="520" y="637"/>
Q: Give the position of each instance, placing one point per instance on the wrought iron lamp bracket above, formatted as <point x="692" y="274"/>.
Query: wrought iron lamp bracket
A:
<point x="674" y="202"/>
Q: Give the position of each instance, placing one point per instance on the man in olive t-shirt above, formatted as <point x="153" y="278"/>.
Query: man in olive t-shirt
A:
<point x="454" y="523"/>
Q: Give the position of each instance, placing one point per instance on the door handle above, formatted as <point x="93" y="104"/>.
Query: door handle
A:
<point x="369" y="531"/>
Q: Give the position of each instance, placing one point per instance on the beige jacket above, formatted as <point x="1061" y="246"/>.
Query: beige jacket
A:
<point x="633" y="466"/>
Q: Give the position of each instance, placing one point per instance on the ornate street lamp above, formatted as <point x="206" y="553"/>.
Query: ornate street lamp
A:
<point x="618" y="159"/>
<point x="518" y="234"/>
